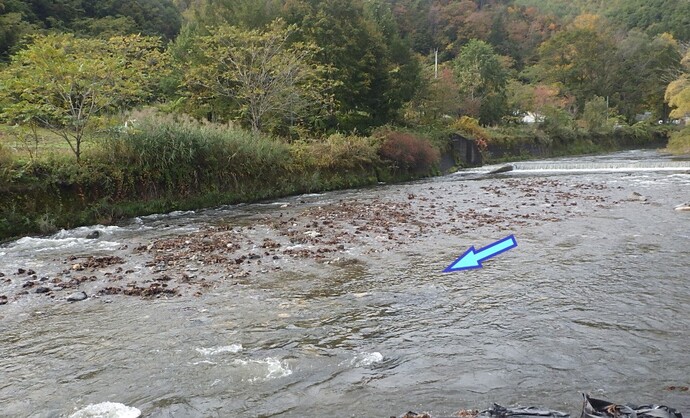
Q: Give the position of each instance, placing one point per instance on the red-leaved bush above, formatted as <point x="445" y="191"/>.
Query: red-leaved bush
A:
<point x="409" y="151"/>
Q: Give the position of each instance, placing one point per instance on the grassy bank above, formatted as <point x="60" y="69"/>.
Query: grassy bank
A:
<point x="519" y="142"/>
<point x="161" y="164"/>
<point x="164" y="164"/>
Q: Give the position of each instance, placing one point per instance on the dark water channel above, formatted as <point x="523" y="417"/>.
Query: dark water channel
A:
<point x="598" y="303"/>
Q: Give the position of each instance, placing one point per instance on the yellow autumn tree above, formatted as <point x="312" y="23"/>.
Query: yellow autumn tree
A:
<point x="678" y="97"/>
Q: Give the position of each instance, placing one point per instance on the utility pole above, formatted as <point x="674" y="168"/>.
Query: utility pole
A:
<point x="436" y="63"/>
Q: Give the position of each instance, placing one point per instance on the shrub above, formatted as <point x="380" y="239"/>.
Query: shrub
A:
<point x="595" y="115"/>
<point x="6" y="157"/>
<point x="680" y="142"/>
<point x="559" y="125"/>
<point x="344" y="152"/>
<point x="185" y="147"/>
<point x="409" y="152"/>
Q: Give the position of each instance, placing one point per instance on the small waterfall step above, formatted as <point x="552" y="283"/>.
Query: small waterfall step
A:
<point x="604" y="166"/>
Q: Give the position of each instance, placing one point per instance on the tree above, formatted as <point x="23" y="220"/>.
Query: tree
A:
<point x="436" y="98"/>
<point x="360" y="62"/>
<point x="580" y="60"/>
<point x="482" y="80"/>
<point x="644" y="67"/>
<point x="654" y="16"/>
<point x="678" y="92"/>
<point x="65" y="84"/>
<point x="249" y="14"/>
<point x="267" y="78"/>
<point x="595" y="114"/>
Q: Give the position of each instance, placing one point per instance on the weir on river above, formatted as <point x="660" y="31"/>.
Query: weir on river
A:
<point x="337" y="305"/>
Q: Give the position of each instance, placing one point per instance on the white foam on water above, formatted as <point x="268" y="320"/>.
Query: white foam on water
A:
<point x="107" y="410"/>
<point x="366" y="359"/>
<point x="174" y="214"/>
<point x="265" y="369"/>
<point x="54" y="244"/>
<point x="212" y="351"/>
<point x="83" y="231"/>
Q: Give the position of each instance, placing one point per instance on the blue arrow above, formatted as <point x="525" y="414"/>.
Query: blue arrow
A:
<point x="472" y="259"/>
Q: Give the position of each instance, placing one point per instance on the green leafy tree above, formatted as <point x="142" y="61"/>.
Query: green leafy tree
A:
<point x="482" y="80"/>
<point x="65" y="83"/>
<point x="249" y="14"/>
<point x="644" y="67"/>
<point x="653" y="16"/>
<point x="595" y="114"/>
<point x="264" y="77"/>
<point x="436" y="98"/>
<point x="355" y="51"/>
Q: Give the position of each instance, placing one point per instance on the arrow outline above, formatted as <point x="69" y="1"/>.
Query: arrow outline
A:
<point x="479" y="261"/>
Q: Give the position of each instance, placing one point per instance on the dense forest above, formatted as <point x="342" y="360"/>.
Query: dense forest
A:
<point x="193" y="96"/>
<point x="354" y="65"/>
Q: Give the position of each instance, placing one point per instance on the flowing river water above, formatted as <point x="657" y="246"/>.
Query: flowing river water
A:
<point x="335" y="305"/>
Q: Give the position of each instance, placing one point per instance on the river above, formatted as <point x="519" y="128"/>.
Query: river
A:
<point x="335" y="305"/>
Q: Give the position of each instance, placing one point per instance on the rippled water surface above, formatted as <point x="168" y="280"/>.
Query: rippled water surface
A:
<point x="598" y="302"/>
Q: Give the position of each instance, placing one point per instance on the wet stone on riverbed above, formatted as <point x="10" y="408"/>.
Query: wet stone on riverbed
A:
<point x="77" y="297"/>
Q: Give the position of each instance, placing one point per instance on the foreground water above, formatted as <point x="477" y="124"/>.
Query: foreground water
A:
<point x="595" y="299"/>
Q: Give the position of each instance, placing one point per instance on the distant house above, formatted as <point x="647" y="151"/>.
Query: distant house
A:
<point x="532" y="117"/>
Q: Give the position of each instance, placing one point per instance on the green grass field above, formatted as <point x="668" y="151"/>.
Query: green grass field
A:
<point x="21" y="145"/>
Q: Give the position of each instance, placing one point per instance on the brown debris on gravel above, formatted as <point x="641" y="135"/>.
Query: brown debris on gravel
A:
<point x="330" y="234"/>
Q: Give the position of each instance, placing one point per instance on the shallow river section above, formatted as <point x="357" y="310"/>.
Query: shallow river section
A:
<point x="340" y="307"/>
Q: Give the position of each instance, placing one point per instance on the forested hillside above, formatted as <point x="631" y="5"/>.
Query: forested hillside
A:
<point x="375" y="55"/>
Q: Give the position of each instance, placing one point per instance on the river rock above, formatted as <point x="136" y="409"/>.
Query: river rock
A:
<point x="76" y="297"/>
<point x="42" y="289"/>
<point x="638" y="197"/>
<point x="3" y="299"/>
<point x="94" y="235"/>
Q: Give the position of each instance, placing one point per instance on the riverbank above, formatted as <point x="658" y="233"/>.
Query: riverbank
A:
<point x="164" y="165"/>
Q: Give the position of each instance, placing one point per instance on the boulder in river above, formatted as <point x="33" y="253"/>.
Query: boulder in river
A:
<point x="76" y="297"/>
<point x="638" y="197"/>
<point x="94" y="234"/>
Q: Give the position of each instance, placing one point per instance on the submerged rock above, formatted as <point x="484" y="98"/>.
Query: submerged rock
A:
<point x="638" y="197"/>
<point x="76" y="297"/>
<point x="94" y="235"/>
